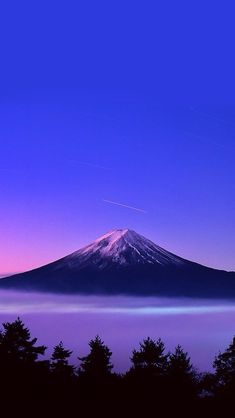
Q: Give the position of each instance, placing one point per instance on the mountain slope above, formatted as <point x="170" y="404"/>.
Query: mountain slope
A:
<point x="118" y="249"/>
<point x="124" y="262"/>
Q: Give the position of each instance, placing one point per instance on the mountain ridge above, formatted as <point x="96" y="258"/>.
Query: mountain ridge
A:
<point x="125" y="262"/>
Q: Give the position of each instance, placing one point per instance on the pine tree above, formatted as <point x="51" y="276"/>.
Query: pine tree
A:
<point x="179" y="365"/>
<point x="150" y="356"/>
<point x="182" y="375"/>
<point x="60" y="361"/>
<point x="224" y="366"/>
<point x="21" y="371"/>
<point x="97" y="363"/>
<point x="16" y="344"/>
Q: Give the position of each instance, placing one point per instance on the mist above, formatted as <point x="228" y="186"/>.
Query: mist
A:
<point x="202" y="327"/>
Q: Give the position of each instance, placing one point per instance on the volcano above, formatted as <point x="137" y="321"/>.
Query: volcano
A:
<point x="124" y="262"/>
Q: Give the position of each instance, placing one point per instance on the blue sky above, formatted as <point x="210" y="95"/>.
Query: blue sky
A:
<point x="131" y="102"/>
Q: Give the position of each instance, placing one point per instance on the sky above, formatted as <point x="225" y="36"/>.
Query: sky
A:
<point x="116" y="115"/>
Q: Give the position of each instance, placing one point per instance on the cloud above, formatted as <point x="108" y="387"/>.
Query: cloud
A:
<point x="124" y="205"/>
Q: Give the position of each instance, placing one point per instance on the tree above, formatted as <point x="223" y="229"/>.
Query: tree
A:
<point x="60" y="361"/>
<point x="182" y="375"/>
<point x="146" y="379"/>
<point x="20" y="370"/>
<point x="179" y="364"/>
<point x="150" y="356"/>
<point x="97" y="363"/>
<point x="224" y="365"/>
<point x="16" y="344"/>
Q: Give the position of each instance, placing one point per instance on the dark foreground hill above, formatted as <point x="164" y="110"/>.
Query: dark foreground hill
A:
<point x="124" y="262"/>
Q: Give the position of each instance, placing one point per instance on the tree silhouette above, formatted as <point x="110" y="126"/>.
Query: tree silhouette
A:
<point x="16" y="344"/>
<point x="150" y="356"/>
<point x="20" y="370"/>
<point x="224" y="365"/>
<point x="97" y="363"/>
<point x="179" y="364"/>
<point x="157" y="382"/>
<point x="182" y="375"/>
<point x="145" y="381"/>
<point x="60" y="361"/>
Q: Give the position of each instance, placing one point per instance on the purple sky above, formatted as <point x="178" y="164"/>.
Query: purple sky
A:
<point x="116" y="103"/>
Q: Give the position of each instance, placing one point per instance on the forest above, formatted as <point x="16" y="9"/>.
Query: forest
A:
<point x="158" y="382"/>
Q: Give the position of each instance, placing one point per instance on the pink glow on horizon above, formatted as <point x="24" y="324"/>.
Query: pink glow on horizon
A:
<point x="25" y="250"/>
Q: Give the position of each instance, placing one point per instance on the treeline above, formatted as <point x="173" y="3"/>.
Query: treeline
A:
<point x="156" y="381"/>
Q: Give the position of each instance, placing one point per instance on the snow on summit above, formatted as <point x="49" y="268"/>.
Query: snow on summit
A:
<point x="124" y="262"/>
<point x="122" y="247"/>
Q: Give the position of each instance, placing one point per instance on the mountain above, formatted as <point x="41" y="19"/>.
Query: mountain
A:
<point x="124" y="262"/>
<point x="118" y="249"/>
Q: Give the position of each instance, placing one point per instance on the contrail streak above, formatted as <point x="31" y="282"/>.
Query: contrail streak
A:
<point x="124" y="206"/>
<point x="10" y="170"/>
<point x="90" y="164"/>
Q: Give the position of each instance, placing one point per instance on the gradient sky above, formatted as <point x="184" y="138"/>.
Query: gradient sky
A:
<point x="131" y="102"/>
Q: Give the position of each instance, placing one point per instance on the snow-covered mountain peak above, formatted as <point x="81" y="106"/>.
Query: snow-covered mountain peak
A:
<point x="124" y="262"/>
<point x="121" y="247"/>
<point x="114" y="235"/>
